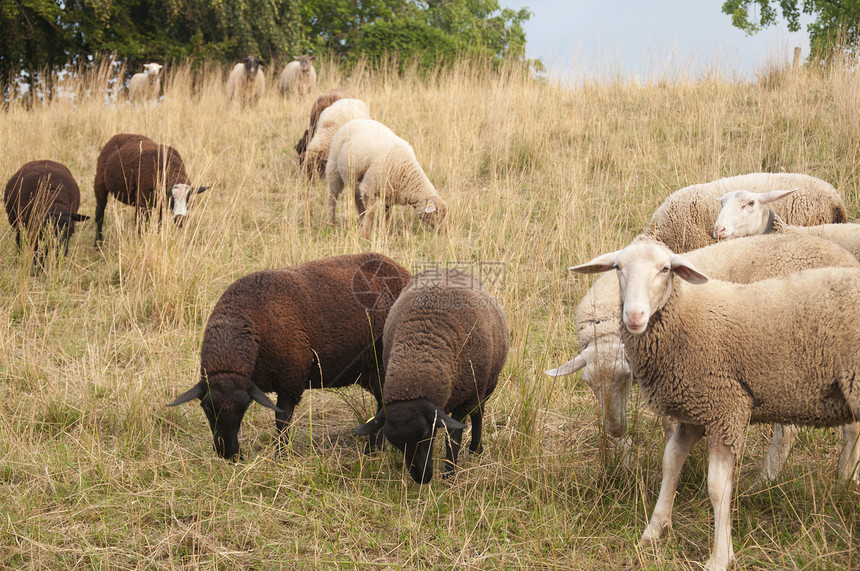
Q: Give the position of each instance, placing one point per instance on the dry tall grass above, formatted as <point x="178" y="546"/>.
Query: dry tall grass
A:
<point x="96" y="472"/>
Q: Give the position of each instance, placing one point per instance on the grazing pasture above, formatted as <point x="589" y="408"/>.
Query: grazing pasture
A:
<point x="97" y="472"/>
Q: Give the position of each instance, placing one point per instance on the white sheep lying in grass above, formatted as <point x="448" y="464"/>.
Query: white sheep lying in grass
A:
<point x="146" y="85"/>
<point x="331" y="120"/>
<point x="718" y="356"/>
<point x="607" y="372"/>
<point x="685" y="220"/>
<point x="744" y="213"/>
<point x="383" y="171"/>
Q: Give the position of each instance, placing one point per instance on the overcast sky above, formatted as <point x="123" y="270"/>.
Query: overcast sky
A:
<point x="642" y="38"/>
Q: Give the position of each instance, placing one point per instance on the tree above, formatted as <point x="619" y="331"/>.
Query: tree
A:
<point x="837" y="21"/>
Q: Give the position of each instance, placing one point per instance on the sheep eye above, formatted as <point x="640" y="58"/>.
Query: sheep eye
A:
<point x="665" y="269"/>
<point x="751" y="203"/>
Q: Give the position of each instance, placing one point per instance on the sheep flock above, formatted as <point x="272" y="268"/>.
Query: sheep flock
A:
<point x="731" y="308"/>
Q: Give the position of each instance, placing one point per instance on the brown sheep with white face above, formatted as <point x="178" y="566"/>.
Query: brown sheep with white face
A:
<point x="43" y="193"/>
<point x="135" y="169"/>
<point x="314" y="325"/>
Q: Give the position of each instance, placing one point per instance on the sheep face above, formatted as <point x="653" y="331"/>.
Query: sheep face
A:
<point x="63" y="225"/>
<point x="744" y="213"/>
<point x="433" y="212"/>
<point x="304" y="64"/>
<point x="224" y="402"/>
<point x="252" y="65"/>
<point x="645" y="270"/>
<point x="178" y="198"/>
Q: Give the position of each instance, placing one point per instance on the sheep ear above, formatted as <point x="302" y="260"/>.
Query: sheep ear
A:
<point x="296" y="58"/>
<point x="79" y="217"/>
<point x="372" y="426"/>
<point x="200" y="189"/>
<point x="437" y="415"/>
<point x="766" y="197"/>
<point x="568" y="368"/>
<point x="262" y="399"/>
<point x="430" y="207"/>
<point x="198" y="391"/>
<point x="599" y="264"/>
<point x="687" y="271"/>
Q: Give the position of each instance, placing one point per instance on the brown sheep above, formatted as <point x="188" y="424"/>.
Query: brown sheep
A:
<point x="444" y="345"/>
<point x="131" y="167"/>
<point x="319" y="105"/>
<point x="314" y="325"/>
<point x="43" y="193"/>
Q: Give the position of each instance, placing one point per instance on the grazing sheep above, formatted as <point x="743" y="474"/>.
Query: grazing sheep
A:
<point x="685" y="220"/>
<point x="134" y="169"/>
<point x="43" y="193"/>
<point x="331" y="120"/>
<point x="607" y="372"/>
<point x="298" y="77"/>
<point x="717" y="356"/>
<point x="314" y="325"/>
<point x="383" y="171"/>
<point x="146" y="85"/>
<point x="246" y="82"/>
<point x="320" y="103"/>
<point x="445" y="343"/>
<point x="743" y="213"/>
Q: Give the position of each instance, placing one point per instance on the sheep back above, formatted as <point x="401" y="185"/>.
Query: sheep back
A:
<point x="331" y="120"/>
<point x="37" y="189"/>
<point x="685" y="220"/>
<point x="320" y="103"/>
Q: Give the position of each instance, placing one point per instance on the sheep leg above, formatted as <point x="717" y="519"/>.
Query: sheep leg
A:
<point x="677" y="450"/>
<point x="335" y="187"/>
<point x="777" y="453"/>
<point x="367" y="223"/>
<point x="721" y="464"/>
<point x="477" y="418"/>
<point x="849" y="461"/>
<point x="282" y="419"/>
<point x="452" y="450"/>
<point x="100" y="219"/>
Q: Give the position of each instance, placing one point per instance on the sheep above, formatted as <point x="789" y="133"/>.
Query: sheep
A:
<point x="146" y="85"/>
<point x="246" y="82"/>
<point x="444" y="345"/>
<point x="717" y="356"/>
<point x="320" y="103"/>
<point x="686" y="218"/>
<point x="314" y="325"/>
<point x="133" y="169"/>
<point x="298" y="77"/>
<point x="743" y="213"/>
<point x="383" y="171"/>
<point x="43" y="193"/>
<point x="607" y="372"/>
<point x="331" y="120"/>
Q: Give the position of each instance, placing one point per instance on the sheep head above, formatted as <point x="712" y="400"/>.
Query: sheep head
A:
<point x="745" y="213"/>
<point x="645" y="269"/>
<point x="224" y="400"/>
<point x="178" y="197"/>
<point x="252" y="65"/>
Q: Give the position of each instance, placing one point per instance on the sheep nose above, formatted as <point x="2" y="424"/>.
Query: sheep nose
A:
<point x="721" y="233"/>
<point x="635" y="319"/>
<point x="179" y="220"/>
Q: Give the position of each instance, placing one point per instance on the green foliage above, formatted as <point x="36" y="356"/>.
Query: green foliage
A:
<point x="408" y="40"/>
<point x="837" y="24"/>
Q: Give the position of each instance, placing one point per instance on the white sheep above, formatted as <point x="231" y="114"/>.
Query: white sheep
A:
<point x="146" y="85"/>
<point x="685" y="220"/>
<point x="246" y="82"/>
<point x="607" y="372"/>
<point x="717" y="356"/>
<point x="299" y="77"/>
<point x="383" y="171"/>
<point x="744" y="213"/>
<point x="331" y="120"/>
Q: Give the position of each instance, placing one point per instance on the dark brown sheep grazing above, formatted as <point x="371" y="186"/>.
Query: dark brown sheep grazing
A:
<point x="319" y="105"/>
<point x="283" y="331"/>
<point x="43" y="193"/>
<point x="444" y="345"/>
<point x="139" y="172"/>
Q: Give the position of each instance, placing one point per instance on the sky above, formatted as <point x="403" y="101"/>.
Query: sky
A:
<point x="649" y="38"/>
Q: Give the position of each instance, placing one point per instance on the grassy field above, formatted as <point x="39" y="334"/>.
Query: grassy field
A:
<point x="97" y="473"/>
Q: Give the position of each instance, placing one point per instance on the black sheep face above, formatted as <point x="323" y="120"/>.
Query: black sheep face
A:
<point x="62" y="224"/>
<point x="252" y="64"/>
<point x="411" y="432"/>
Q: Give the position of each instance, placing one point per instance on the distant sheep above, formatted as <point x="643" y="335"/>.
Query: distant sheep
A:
<point x="383" y="170"/>
<point x="146" y="85"/>
<point x="717" y="356"/>
<point x="685" y="220"/>
<point x="743" y="213"/>
<point x="246" y="82"/>
<point x="299" y="77"/>
<point x="314" y="325"/>
<point x="43" y="193"/>
<point x="331" y="120"/>
<point x="606" y="369"/>
<point x="445" y="343"/>
<point x="317" y="108"/>
<point x="137" y="171"/>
